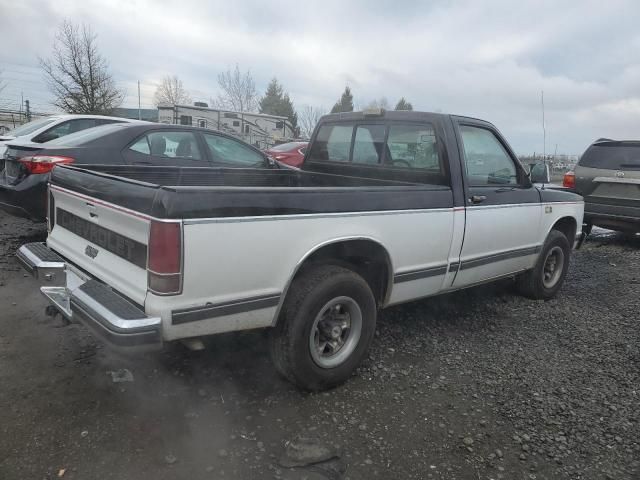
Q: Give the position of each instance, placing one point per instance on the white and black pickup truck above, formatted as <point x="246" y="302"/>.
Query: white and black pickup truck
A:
<point x="388" y="207"/>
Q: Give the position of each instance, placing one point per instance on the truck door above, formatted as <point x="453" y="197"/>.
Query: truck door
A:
<point x="503" y="209"/>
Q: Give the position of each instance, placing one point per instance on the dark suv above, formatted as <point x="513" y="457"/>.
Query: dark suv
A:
<point x="608" y="177"/>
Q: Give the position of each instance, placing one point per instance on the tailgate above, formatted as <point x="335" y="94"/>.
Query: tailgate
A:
<point x="108" y="241"/>
<point x="608" y="173"/>
<point x="615" y="188"/>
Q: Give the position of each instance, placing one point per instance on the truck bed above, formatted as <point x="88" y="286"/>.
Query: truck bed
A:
<point x="187" y="193"/>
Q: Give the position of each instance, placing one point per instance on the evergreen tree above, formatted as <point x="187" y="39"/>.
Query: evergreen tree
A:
<point x="277" y="102"/>
<point x="346" y="102"/>
<point x="403" y="105"/>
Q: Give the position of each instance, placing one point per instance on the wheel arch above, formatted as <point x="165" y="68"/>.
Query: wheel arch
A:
<point x="568" y="226"/>
<point x="365" y="255"/>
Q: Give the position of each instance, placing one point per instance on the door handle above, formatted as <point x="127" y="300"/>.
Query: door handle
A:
<point x="478" y="199"/>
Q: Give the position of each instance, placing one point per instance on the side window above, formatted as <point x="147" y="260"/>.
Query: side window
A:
<point x="141" y="146"/>
<point x="81" y="124"/>
<point x="168" y="144"/>
<point x="413" y="146"/>
<point x="65" y="128"/>
<point x="332" y="143"/>
<point x="486" y="160"/>
<point x="369" y="143"/>
<point x="227" y="150"/>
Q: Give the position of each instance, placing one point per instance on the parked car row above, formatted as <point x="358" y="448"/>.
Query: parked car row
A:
<point x="607" y="174"/>
<point x="27" y="164"/>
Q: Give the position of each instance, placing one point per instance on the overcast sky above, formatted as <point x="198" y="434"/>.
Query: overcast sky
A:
<point x="488" y="59"/>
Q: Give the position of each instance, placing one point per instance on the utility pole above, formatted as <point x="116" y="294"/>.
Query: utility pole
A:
<point x="139" y="112"/>
<point x="544" y="131"/>
<point x="27" y="110"/>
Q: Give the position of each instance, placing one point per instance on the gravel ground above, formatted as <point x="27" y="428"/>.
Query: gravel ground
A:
<point x="479" y="384"/>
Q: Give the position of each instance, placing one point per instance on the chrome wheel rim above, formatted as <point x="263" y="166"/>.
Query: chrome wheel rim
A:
<point x="553" y="266"/>
<point x="335" y="332"/>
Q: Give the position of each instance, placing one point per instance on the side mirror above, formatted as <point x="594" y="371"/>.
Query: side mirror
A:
<point x="540" y="173"/>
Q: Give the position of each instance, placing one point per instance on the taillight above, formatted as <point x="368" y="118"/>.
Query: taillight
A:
<point x="569" y="180"/>
<point x="165" y="258"/>
<point x="43" y="163"/>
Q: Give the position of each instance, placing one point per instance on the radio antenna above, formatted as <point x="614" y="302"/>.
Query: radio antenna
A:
<point x="544" y="138"/>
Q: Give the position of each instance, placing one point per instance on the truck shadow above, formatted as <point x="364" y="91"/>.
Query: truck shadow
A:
<point x="241" y="359"/>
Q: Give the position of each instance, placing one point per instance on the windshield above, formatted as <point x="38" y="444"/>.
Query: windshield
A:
<point x="612" y="156"/>
<point x="285" y="147"/>
<point x="30" y="127"/>
<point x="85" y="136"/>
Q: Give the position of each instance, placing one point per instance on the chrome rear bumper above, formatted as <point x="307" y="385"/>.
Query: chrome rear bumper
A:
<point x="79" y="297"/>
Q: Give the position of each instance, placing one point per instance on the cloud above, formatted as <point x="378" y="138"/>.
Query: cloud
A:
<point x="488" y="59"/>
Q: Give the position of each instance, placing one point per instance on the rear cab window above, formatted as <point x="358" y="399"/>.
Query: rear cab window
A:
<point x="368" y="145"/>
<point x="332" y="143"/>
<point x="413" y="146"/>
<point x="393" y="150"/>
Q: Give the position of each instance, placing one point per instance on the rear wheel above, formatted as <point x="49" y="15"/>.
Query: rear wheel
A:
<point x="325" y="327"/>
<point x="545" y="279"/>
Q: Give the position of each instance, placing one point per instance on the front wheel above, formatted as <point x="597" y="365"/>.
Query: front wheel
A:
<point x="545" y="279"/>
<point x="325" y="328"/>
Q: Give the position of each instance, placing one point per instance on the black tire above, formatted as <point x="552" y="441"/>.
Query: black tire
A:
<point x="290" y="340"/>
<point x="532" y="283"/>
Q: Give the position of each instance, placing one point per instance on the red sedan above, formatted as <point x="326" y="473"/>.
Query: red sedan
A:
<point x="291" y="153"/>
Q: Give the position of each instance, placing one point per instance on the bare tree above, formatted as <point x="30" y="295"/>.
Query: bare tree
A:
<point x="171" y="92"/>
<point x="78" y="75"/>
<point x="238" y="91"/>
<point x="308" y="119"/>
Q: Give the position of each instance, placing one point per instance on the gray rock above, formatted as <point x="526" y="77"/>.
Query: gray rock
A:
<point x="303" y="451"/>
<point x="121" y="375"/>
